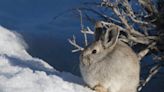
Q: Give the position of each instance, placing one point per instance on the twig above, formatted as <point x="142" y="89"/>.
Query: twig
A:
<point x="137" y="21"/>
<point x="131" y="14"/>
<point x="130" y="30"/>
<point x="112" y="24"/>
<point x="82" y="28"/>
<point x="152" y="72"/>
<point x="159" y="58"/>
<point x="132" y="33"/>
<point x="114" y="20"/>
<point x="142" y="53"/>
<point x="73" y="42"/>
<point x="129" y="8"/>
<point x="88" y="31"/>
<point x="137" y="39"/>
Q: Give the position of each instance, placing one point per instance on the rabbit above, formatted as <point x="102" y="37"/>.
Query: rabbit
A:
<point x="108" y="64"/>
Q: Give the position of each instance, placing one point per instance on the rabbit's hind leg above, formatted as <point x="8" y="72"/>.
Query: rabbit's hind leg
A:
<point x="100" y="88"/>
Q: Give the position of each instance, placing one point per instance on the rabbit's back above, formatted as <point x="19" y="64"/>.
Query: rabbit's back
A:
<point x="124" y="67"/>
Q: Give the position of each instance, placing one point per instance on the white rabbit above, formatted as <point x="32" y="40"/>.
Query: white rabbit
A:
<point x="108" y="64"/>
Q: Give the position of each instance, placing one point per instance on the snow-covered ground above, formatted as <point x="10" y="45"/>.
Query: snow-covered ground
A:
<point x="20" y="72"/>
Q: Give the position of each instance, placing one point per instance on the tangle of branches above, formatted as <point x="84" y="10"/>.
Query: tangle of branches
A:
<point x="141" y="24"/>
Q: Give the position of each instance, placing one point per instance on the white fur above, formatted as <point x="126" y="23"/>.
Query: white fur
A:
<point x="114" y="66"/>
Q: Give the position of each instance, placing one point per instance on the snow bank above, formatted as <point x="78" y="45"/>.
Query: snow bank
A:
<point x="20" y="72"/>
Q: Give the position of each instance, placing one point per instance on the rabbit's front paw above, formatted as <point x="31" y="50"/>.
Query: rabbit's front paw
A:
<point x="100" y="88"/>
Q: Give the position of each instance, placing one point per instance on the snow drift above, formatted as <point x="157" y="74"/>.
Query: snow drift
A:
<point x="20" y="72"/>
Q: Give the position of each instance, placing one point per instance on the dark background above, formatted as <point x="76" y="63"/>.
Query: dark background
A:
<point x="45" y="25"/>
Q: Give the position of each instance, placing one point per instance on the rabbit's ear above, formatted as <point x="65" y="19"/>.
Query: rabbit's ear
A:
<point x="110" y="38"/>
<point x="108" y="35"/>
<point x="99" y="31"/>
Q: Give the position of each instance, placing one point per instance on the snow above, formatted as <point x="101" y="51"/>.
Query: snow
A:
<point x="20" y="72"/>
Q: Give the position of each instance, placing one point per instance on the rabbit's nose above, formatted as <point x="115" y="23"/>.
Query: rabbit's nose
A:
<point x="88" y="58"/>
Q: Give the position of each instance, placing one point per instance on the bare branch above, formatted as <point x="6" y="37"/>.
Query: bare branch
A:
<point x="152" y="72"/>
<point x="126" y="21"/>
<point x="137" y="39"/>
<point x="148" y="6"/>
<point x="130" y="13"/>
<point x="142" y="53"/>
<point x="158" y="58"/>
<point x="137" y="21"/>
<point x="130" y="30"/>
<point x="132" y="33"/>
<point x="88" y="31"/>
<point x="81" y="19"/>
<point x="128" y="8"/>
<point x="82" y="28"/>
<point x="112" y="24"/>
<point x="73" y="42"/>
<point x="114" y="20"/>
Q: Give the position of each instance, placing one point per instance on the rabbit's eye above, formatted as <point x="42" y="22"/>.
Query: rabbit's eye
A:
<point x="94" y="51"/>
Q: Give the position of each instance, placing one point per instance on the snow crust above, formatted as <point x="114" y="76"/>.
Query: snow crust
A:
<point x="20" y="72"/>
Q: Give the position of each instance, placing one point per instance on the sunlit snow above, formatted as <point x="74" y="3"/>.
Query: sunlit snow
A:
<point x="20" y="72"/>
